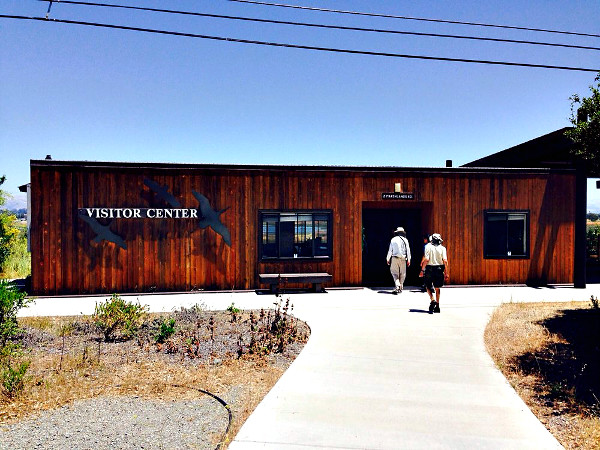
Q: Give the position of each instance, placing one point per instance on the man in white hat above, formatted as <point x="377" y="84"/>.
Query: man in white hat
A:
<point x="398" y="258"/>
<point x="434" y="267"/>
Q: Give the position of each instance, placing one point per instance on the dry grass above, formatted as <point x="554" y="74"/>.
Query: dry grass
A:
<point x="550" y="354"/>
<point x="82" y="367"/>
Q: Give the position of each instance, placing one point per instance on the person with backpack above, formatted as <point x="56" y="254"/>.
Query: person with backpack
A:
<point x="434" y="267"/>
<point x="398" y="258"/>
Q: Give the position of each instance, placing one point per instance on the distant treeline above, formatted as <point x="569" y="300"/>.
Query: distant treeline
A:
<point x="593" y="217"/>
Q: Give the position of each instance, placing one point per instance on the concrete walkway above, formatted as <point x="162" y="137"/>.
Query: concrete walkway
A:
<point x="379" y="372"/>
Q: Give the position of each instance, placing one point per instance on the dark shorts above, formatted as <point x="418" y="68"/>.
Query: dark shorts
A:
<point x="434" y="276"/>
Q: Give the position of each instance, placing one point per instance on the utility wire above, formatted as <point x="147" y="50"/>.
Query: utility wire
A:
<point x="315" y="25"/>
<point x="303" y="47"/>
<point x="390" y="16"/>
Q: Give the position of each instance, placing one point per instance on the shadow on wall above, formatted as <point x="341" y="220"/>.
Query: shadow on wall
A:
<point x="547" y="234"/>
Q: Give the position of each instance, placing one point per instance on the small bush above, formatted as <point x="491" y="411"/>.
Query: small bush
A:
<point x="11" y="301"/>
<point x="117" y="318"/>
<point x="12" y="377"/>
<point x="167" y="329"/>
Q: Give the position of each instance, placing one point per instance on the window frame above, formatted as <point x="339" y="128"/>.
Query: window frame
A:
<point x="487" y="213"/>
<point x="299" y="212"/>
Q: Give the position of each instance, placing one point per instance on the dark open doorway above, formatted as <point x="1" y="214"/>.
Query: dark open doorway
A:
<point x="378" y="226"/>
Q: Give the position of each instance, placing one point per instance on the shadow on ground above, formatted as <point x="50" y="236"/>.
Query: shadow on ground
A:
<point x="570" y="371"/>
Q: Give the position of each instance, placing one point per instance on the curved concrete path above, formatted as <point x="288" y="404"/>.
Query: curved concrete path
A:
<point x="380" y="373"/>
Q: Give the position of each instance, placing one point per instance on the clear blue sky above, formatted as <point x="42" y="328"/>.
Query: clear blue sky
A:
<point x="83" y="93"/>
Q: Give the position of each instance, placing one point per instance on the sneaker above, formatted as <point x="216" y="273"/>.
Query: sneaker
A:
<point x="436" y="309"/>
<point x="431" y="307"/>
<point x="395" y="292"/>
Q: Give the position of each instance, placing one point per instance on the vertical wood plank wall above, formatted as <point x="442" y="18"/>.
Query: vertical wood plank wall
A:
<point x="176" y="255"/>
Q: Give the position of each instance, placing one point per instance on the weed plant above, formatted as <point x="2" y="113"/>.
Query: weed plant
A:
<point x="272" y="330"/>
<point x="231" y="309"/>
<point x="166" y="330"/>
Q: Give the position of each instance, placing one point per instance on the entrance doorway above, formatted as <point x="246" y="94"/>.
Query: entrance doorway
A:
<point x="379" y="224"/>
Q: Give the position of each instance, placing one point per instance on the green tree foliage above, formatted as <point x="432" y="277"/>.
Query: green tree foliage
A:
<point x="585" y="118"/>
<point x="593" y="241"/>
<point x="14" y="258"/>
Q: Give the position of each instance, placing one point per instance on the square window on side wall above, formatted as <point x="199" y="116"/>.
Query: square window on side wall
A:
<point x="506" y="234"/>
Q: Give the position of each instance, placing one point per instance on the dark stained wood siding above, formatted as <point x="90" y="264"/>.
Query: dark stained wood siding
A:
<point x="176" y="255"/>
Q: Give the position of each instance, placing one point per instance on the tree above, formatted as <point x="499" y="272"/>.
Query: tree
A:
<point x="3" y="194"/>
<point x="9" y="233"/>
<point x="585" y="118"/>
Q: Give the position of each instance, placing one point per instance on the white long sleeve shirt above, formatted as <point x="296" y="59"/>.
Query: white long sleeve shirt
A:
<point x="399" y="247"/>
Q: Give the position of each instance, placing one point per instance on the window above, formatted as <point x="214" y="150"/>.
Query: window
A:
<point x="506" y="234"/>
<point x="295" y="234"/>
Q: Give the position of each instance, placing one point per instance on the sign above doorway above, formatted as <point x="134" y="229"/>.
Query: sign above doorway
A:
<point x="397" y="196"/>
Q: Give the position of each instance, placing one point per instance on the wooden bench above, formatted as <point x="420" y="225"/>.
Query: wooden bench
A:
<point x="275" y="280"/>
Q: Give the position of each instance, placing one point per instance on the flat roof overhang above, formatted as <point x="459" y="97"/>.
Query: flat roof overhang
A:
<point x="290" y="168"/>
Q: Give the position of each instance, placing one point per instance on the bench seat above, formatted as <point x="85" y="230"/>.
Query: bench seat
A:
<point x="276" y="279"/>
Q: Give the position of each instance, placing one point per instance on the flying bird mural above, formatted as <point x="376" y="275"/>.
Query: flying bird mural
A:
<point x="162" y="192"/>
<point x="210" y="218"/>
<point x="103" y="232"/>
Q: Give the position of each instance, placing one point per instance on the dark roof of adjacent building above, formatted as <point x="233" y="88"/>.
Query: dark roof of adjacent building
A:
<point x="552" y="150"/>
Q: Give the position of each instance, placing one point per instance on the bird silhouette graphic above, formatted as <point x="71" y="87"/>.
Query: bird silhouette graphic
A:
<point x="103" y="232"/>
<point x="210" y="218"/>
<point x="162" y="192"/>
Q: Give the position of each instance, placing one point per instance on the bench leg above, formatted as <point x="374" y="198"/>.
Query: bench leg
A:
<point x="318" y="287"/>
<point x="274" y="288"/>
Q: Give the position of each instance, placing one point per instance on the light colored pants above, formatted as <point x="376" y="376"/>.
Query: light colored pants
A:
<point x="398" y="270"/>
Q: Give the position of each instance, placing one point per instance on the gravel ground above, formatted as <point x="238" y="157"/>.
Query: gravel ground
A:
<point x="121" y="423"/>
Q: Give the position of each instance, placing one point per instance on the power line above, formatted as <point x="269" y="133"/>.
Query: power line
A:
<point x="303" y="47"/>
<point x="315" y="25"/>
<point x="390" y="16"/>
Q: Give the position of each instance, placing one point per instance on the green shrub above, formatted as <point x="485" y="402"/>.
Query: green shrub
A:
<point x="12" y="377"/>
<point x="118" y="319"/>
<point x="167" y="329"/>
<point x="11" y="301"/>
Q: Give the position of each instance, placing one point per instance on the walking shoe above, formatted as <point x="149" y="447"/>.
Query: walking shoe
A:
<point x="431" y="307"/>
<point x="436" y="309"/>
<point x="395" y="292"/>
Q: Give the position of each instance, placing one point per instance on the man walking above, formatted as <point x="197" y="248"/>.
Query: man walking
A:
<point x="398" y="258"/>
<point x="435" y="269"/>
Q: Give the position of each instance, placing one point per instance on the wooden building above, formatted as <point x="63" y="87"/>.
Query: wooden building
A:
<point x="104" y="227"/>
